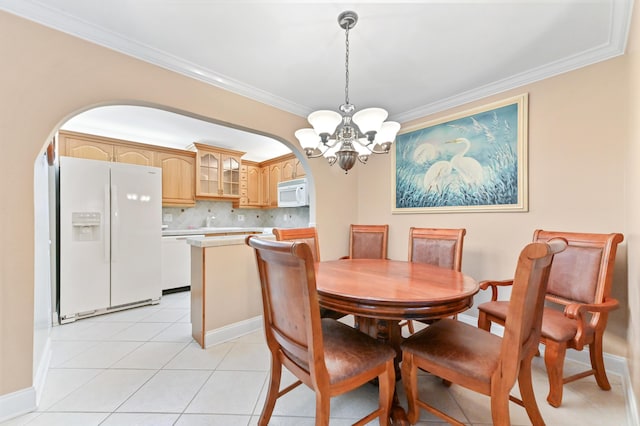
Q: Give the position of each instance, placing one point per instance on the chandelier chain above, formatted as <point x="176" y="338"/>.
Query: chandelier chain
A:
<point x="346" y="66"/>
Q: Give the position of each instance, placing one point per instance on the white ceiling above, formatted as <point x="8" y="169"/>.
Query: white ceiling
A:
<point x="412" y="58"/>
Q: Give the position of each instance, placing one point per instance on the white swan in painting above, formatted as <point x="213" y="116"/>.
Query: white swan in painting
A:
<point x="424" y="152"/>
<point x="437" y="176"/>
<point x="468" y="169"/>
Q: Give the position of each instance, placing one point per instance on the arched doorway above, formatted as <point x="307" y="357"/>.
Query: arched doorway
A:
<point x="160" y="127"/>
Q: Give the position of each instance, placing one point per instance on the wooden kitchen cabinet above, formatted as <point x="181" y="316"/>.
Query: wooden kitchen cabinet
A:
<point x="101" y="148"/>
<point x="218" y="172"/>
<point x="275" y="176"/>
<point x="178" y="176"/>
<point x="292" y="168"/>
<point x="299" y="169"/>
<point x="133" y="155"/>
<point x="254" y="186"/>
<point x="288" y="168"/>
<point x="265" y="197"/>
<point x="80" y="145"/>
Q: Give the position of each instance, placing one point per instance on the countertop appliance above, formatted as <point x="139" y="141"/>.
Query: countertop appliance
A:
<point x="293" y="193"/>
<point x="110" y="237"/>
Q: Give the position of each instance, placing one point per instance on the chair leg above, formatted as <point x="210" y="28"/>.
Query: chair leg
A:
<point x="410" y="327"/>
<point x="500" y="407"/>
<point x="526" y="393"/>
<point x="597" y="362"/>
<point x="483" y="321"/>
<point x="386" y="387"/>
<point x="410" y="383"/>
<point x="323" y="409"/>
<point x="272" y="393"/>
<point x="554" y="361"/>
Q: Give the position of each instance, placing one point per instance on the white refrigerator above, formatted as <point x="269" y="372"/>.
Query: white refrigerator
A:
<point x="110" y="237"/>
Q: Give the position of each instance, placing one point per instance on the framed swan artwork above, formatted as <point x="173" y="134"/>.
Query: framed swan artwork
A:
<point x="474" y="161"/>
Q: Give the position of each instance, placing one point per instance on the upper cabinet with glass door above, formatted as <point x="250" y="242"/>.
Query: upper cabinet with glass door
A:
<point x="218" y="172"/>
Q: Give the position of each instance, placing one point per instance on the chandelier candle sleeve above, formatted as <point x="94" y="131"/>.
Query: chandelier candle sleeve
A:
<point x="349" y="135"/>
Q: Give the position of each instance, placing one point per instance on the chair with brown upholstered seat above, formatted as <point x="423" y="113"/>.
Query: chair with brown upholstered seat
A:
<point x="368" y="241"/>
<point x="326" y="355"/>
<point x="483" y="362"/>
<point x="578" y="305"/>
<point x="309" y="236"/>
<point x="436" y="246"/>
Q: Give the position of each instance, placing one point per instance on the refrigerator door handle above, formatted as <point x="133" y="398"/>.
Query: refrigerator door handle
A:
<point x="115" y="224"/>
<point x="106" y="238"/>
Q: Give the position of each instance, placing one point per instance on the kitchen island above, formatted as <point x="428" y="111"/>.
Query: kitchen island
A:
<point x="226" y="301"/>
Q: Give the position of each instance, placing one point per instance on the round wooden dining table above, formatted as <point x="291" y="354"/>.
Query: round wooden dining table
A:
<point x="382" y="293"/>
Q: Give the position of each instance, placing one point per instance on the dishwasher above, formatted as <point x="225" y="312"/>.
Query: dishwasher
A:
<point x="176" y="262"/>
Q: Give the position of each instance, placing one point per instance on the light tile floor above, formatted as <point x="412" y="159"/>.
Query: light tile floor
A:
<point x="141" y="367"/>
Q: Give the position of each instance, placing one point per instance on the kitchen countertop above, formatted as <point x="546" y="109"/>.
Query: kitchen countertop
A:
<point x="226" y="240"/>
<point x="213" y="230"/>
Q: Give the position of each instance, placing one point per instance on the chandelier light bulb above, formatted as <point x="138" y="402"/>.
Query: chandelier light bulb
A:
<point x="370" y="120"/>
<point x="308" y="138"/>
<point x="387" y="132"/>
<point x="324" y="121"/>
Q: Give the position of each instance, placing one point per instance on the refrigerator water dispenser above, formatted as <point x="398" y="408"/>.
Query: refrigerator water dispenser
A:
<point x="86" y="226"/>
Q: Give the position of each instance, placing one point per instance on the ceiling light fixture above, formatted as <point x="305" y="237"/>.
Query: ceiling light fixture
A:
<point x="343" y="137"/>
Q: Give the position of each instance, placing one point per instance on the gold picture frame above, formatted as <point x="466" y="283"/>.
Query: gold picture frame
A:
<point x="472" y="161"/>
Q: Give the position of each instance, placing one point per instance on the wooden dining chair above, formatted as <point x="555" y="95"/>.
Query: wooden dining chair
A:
<point x="436" y="246"/>
<point x="324" y="354"/>
<point x="579" y="302"/>
<point x="483" y="362"/>
<point x="368" y="241"/>
<point x="309" y="236"/>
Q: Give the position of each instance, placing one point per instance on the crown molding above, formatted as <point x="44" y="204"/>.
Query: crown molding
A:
<point x="620" y="17"/>
<point x="52" y="18"/>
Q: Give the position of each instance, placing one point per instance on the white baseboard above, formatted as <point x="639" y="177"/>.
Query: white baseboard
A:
<point x="26" y="400"/>
<point x="17" y="403"/>
<point x="232" y="331"/>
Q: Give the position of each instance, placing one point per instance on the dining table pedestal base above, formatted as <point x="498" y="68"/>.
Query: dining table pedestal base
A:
<point x="389" y="332"/>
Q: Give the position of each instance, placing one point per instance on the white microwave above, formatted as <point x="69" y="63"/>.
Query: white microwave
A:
<point x="293" y="193"/>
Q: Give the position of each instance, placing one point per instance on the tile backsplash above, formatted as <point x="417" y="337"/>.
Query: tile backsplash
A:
<point x="222" y="214"/>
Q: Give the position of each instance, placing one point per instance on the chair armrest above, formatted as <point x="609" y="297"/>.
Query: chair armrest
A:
<point x="494" y="287"/>
<point x="576" y="309"/>
<point x="577" y="312"/>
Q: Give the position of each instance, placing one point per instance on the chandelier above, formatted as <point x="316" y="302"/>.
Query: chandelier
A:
<point x="343" y="137"/>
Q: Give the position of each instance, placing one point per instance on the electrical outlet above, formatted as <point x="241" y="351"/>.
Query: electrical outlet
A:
<point x="240" y="218"/>
<point x="168" y="217"/>
<point x="285" y="217"/>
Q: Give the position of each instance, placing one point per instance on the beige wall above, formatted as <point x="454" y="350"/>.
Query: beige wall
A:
<point x="578" y="145"/>
<point x="633" y="201"/>
<point x="48" y="77"/>
<point x="577" y="149"/>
